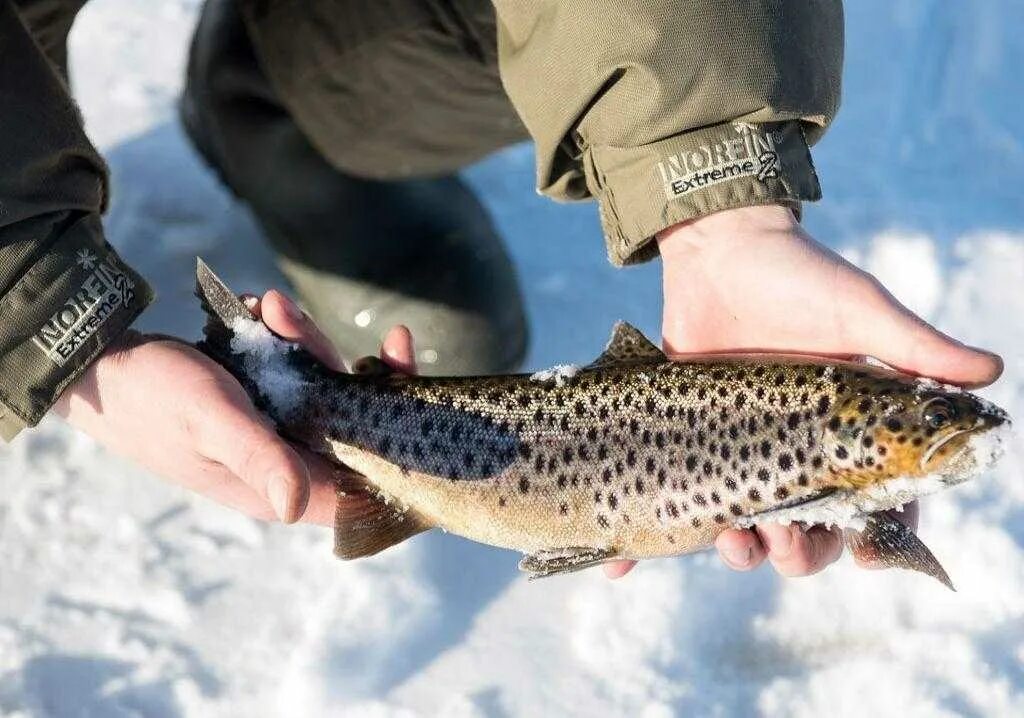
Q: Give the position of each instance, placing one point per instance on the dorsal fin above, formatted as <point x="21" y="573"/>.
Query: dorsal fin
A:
<point x="628" y="345"/>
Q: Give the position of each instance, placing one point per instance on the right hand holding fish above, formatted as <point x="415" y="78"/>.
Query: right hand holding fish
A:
<point x="751" y="279"/>
<point x="162" y="403"/>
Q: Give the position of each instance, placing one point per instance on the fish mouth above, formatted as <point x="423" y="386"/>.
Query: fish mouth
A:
<point x="983" y="426"/>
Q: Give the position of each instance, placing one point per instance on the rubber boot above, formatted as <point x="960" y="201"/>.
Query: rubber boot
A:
<point x="363" y="255"/>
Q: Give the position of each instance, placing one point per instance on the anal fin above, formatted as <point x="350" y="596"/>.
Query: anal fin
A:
<point x="366" y="523"/>
<point x="549" y="562"/>
<point x="887" y="542"/>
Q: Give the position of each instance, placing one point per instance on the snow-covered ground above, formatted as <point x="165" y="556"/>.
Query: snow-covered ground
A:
<point x="122" y="596"/>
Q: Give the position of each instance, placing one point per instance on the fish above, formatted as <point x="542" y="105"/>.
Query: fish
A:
<point x="633" y="456"/>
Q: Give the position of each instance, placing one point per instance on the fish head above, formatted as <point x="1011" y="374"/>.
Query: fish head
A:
<point x="901" y="428"/>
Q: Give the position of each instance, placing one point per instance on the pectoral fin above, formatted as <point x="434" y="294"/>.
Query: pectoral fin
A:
<point x="891" y="544"/>
<point x="563" y="560"/>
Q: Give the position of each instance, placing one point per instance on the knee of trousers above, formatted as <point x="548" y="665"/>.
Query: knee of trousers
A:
<point x="391" y="89"/>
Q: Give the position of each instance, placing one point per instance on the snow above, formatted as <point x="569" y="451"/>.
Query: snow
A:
<point x="266" y="363"/>
<point x="123" y="596"/>
<point x="560" y="374"/>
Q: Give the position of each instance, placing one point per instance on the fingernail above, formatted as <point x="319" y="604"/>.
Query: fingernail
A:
<point x="738" y="558"/>
<point x="779" y="540"/>
<point x="277" y="492"/>
<point x="292" y="310"/>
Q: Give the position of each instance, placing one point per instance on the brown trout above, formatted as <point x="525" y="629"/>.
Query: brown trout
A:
<point x="632" y="456"/>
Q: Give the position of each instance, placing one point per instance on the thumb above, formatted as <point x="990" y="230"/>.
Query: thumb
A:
<point x="236" y="436"/>
<point x="878" y="324"/>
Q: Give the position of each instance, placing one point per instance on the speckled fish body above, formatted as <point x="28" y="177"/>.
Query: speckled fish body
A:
<point x="633" y="456"/>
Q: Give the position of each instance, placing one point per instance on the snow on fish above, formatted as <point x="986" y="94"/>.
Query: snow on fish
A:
<point x="633" y="456"/>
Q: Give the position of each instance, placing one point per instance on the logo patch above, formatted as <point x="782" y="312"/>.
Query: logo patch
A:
<point x="106" y="289"/>
<point x="752" y="153"/>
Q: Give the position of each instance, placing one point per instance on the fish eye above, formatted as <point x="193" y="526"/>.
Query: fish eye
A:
<point x="938" y="413"/>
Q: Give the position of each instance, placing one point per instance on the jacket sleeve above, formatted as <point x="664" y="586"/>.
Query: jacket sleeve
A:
<point x="64" y="293"/>
<point x="665" y="110"/>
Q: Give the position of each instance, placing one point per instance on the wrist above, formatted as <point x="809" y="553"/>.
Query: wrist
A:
<point x="678" y="242"/>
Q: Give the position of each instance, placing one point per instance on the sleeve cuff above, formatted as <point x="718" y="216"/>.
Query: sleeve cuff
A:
<point x="642" y="190"/>
<point x="57" y="318"/>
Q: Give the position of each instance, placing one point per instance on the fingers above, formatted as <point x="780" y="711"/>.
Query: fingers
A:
<point x="283" y="317"/>
<point x="617" y="569"/>
<point x="878" y="324"/>
<point x="795" y="550"/>
<point x="231" y="432"/>
<point x="740" y="550"/>
<point x="397" y="350"/>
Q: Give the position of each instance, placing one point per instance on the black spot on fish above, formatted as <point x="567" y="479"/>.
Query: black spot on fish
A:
<point x="785" y="462"/>
<point x="730" y="484"/>
<point x="841" y="452"/>
<point x="639" y="486"/>
<point x="868" y="441"/>
<point x="563" y="508"/>
<point x="524" y="485"/>
<point x="631" y="458"/>
<point x="602" y="521"/>
<point x="781" y="492"/>
<point x="735" y="510"/>
<point x="661" y="477"/>
<point x="766" y="449"/>
<point x="754" y="495"/>
<point x="563" y="481"/>
<point x="763" y="475"/>
<point x="793" y="421"/>
<point x="651" y="465"/>
<point x="719" y="519"/>
<point x="567" y="455"/>
<point x="833" y="424"/>
<point x="613" y="501"/>
<point x="501" y="501"/>
<point x="801" y="457"/>
<point x="715" y="498"/>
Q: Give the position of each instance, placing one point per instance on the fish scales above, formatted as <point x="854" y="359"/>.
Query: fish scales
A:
<point x="633" y="456"/>
<point x="653" y="460"/>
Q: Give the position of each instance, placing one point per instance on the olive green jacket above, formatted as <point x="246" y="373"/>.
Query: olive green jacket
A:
<point x="662" y="110"/>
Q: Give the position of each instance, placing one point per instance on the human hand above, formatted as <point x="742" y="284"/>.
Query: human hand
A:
<point x="751" y="279"/>
<point x="176" y="412"/>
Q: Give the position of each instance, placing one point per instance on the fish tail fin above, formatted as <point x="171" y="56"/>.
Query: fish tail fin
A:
<point x="889" y="543"/>
<point x="222" y="309"/>
<point x="367" y="522"/>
